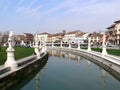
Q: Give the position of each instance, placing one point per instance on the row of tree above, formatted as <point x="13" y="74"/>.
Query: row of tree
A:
<point x="3" y="38"/>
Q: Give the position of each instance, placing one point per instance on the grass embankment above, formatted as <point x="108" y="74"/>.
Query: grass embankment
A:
<point x="110" y="51"/>
<point x="20" y="52"/>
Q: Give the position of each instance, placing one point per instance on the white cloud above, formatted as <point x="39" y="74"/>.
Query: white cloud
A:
<point x="29" y="11"/>
<point x="71" y="14"/>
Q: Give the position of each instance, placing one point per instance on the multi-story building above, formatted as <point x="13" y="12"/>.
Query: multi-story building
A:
<point x="111" y="33"/>
<point x="96" y="38"/>
<point x="24" y="39"/>
<point x="55" y="37"/>
<point x="114" y="33"/>
<point x="43" y="36"/>
<point x="82" y="38"/>
<point x="27" y="37"/>
<point x="70" y="36"/>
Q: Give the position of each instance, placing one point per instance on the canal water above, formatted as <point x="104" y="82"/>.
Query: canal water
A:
<point x="65" y="71"/>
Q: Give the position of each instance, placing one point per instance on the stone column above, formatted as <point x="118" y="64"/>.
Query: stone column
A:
<point x="10" y="62"/>
<point x="89" y="44"/>
<point x="104" y="52"/>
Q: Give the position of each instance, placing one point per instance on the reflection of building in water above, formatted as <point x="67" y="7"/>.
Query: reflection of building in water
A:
<point x="43" y="71"/>
<point x="61" y="54"/>
<point x="78" y="59"/>
<point x="89" y="65"/>
<point x="103" y="77"/>
<point x="37" y="79"/>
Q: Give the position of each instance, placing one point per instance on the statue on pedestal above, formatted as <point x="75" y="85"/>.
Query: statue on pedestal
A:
<point x="10" y="62"/>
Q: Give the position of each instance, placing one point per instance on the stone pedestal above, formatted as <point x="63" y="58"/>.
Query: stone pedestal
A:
<point x="89" y="44"/>
<point x="104" y="52"/>
<point x="10" y="62"/>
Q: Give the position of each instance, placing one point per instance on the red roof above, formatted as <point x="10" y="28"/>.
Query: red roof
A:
<point x="117" y="21"/>
<point x="44" y="33"/>
<point x="73" y="32"/>
<point x="80" y="34"/>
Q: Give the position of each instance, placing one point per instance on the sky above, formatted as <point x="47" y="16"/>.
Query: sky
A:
<point x="54" y="16"/>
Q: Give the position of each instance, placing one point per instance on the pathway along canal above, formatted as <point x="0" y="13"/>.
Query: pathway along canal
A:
<point x="65" y="71"/>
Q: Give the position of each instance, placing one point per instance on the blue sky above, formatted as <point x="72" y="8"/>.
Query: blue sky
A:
<point x="53" y="16"/>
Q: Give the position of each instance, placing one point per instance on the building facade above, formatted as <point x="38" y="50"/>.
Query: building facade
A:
<point x="114" y="33"/>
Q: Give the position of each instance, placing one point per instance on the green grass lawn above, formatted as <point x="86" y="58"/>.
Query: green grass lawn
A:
<point x="20" y="52"/>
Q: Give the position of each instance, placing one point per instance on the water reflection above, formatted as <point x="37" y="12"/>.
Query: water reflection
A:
<point x="103" y="76"/>
<point x="37" y="79"/>
<point x="71" y="56"/>
<point x="66" y="71"/>
<point x="90" y="66"/>
<point x="62" y="55"/>
<point x="35" y="74"/>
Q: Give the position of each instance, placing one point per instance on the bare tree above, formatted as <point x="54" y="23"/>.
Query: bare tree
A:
<point x="3" y="38"/>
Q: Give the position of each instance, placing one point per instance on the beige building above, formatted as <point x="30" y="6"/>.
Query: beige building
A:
<point x="55" y="37"/>
<point x="96" y="38"/>
<point x="70" y="36"/>
<point x="114" y="33"/>
<point x="43" y="36"/>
